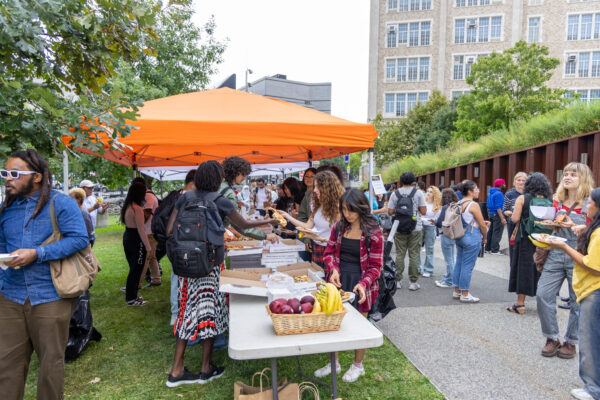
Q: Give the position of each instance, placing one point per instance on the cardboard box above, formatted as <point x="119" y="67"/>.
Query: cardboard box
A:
<point x="312" y="275"/>
<point x="247" y="281"/>
<point x="287" y="245"/>
<point x="304" y="265"/>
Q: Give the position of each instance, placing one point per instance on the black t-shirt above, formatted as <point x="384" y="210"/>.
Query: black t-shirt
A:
<point x="225" y="206"/>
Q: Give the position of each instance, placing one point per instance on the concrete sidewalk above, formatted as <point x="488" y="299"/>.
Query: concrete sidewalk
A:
<point x="478" y="351"/>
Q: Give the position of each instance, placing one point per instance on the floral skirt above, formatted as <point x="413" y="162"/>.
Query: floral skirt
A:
<point x="203" y="311"/>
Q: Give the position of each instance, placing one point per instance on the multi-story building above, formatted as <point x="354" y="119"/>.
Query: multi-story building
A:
<point x="417" y="46"/>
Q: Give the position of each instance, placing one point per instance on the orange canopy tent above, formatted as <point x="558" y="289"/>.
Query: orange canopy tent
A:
<point x="188" y="129"/>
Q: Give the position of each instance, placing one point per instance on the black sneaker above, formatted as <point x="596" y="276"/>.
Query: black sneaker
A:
<point x="185" y="378"/>
<point x="214" y="373"/>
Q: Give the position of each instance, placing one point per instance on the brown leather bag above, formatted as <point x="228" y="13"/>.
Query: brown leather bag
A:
<point x="74" y="274"/>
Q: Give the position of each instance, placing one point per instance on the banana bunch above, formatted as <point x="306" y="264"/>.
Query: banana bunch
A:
<point x="328" y="299"/>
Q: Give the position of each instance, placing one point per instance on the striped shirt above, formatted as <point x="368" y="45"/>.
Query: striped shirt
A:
<point x="509" y="200"/>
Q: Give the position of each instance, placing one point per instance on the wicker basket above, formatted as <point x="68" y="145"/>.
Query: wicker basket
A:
<point x="292" y="324"/>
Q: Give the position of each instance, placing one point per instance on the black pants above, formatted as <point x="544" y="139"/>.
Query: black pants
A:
<point x="494" y="234"/>
<point x="510" y="226"/>
<point x="135" y="252"/>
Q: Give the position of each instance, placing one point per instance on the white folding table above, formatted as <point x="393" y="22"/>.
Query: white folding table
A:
<point x="251" y="337"/>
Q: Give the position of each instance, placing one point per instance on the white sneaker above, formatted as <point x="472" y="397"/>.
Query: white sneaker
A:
<point x="353" y="373"/>
<point x="414" y="286"/>
<point x="426" y="274"/>
<point x="469" y="299"/>
<point x="456" y="295"/>
<point x="326" y="371"/>
<point x="580" y="394"/>
<point x="398" y="285"/>
<point x="442" y="284"/>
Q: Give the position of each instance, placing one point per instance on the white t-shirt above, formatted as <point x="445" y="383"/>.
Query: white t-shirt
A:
<point x="89" y="203"/>
<point x="261" y="197"/>
<point x="430" y="215"/>
<point x="322" y="226"/>
<point x="150" y="204"/>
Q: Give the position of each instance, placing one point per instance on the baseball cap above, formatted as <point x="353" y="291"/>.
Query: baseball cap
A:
<point x="86" y="183"/>
<point x="499" y="182"/>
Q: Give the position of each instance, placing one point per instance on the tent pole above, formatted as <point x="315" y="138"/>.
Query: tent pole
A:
<point x="65" y="172"/>
<point x="371" y="171"/>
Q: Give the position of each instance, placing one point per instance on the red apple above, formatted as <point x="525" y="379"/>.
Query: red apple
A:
<point x="275" y="307"/>
<point x="306" y="308"/>
<point x="285" y="309"/>
<point x="280" y="301"/>
<point x="307" y="299"/>
<point x="295" y="304"/>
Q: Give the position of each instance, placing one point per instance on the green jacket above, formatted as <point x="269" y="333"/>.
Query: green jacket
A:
<point x="304" y="211"/>
<point x="230" y="195"/>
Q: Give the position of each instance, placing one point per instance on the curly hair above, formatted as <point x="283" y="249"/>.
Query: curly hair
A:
<point x="209" y="176"/>
<point x="330" y="192"/>
<point x="448" y="196"/>
<point x="234" y="166"/>
<point x="537" y="185"/>
<point x="437" y="198"/>
<point x="586" y="182"/>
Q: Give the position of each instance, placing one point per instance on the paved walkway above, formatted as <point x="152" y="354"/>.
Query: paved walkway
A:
<point x="478" y="351"/>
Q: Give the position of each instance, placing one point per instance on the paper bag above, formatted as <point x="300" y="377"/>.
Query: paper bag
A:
<point x="285" y="391"/>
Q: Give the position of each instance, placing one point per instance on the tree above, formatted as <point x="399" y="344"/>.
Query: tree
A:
<point x="439" y="132"/>
<point x="507" y="86"/>
<point x="56" y="56"/>
<point x="397" y="138"/>
<point x="355" y="163"/>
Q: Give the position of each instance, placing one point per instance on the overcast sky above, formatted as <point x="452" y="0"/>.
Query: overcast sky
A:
<point x="310" y="40"/>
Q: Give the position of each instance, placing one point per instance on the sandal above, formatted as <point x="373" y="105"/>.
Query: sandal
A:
<point x="517" y="309"/>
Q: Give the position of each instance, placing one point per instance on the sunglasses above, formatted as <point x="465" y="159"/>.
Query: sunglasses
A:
<point x="14" y="174"/>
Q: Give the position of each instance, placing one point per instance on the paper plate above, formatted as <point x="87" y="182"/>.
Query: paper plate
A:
<point x="6" y="257"/>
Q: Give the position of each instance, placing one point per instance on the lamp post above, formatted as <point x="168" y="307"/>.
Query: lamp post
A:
<point x="248" y="71"/>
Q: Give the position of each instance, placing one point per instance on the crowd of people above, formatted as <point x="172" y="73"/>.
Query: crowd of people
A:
<point x="347" y="241"/>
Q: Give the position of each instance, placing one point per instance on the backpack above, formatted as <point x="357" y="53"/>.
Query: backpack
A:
<point x="161" y="216"/>
<point x="539" y="208"/>
<point x="404" y="212"/>
<point x="196" y="245"/>
<point x="452" y="226"/>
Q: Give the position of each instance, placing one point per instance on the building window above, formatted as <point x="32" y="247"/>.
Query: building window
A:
<point x="471" y="3"/>
<point x="457" y="93"/>
<point x="399" y="104"/>
<point x="477" y="30"/>
<point x="411" y="69"/>
<point x="409" y="5"/>
<point x="533" y="35"/>
<point x="583" y="65"/>
<point x="583" y="26"/>
<point x="536" y="2"/>
<point x="411" y="33"/>
<point x="462" y="65"/>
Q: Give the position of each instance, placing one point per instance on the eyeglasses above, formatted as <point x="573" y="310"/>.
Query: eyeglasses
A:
<point x="14" y="174"/>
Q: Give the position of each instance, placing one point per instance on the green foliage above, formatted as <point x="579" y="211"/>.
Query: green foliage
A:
<point x="507" y="86"/>
<point x="439" y="133"/>
<point x="555" y="125"/>
<point x="398" y="137"/>
<point x="355" y="163"/>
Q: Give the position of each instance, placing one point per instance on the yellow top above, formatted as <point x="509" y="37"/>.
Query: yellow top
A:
<point x="585" y="283"/>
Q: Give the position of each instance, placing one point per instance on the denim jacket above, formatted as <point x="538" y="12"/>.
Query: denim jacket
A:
<point x="34" y="280"/>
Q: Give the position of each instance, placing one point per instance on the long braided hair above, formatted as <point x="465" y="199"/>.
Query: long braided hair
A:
<point x="583" y="240"/>
<point x="39" y="165"/>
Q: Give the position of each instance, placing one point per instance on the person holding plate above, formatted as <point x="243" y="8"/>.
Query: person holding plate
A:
<point x="571" y="199"/>
<point x="326" y="197"/>
<point x="353" y="259"/>
<point x="586" y="285"/>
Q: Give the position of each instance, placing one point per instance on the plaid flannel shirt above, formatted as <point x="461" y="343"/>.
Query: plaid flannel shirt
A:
<point x="371" y="263"/>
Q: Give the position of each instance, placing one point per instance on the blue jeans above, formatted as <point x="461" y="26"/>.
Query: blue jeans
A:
<point x="448" y="247"/>
<point x="467" y="250"/>
<point x="429" y="234"/>
<point x="589" y="345"/>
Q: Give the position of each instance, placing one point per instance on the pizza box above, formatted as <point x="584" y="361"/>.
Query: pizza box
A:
<point x="308" y="286"/>
<point x="250" y="247"/>
<point x="251" y="283"/>
<point x="304" y="265"/>
<point x="285" y="245"/>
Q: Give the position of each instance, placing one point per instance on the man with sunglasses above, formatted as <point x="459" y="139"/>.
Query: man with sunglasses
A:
<point x="32" y="315"/>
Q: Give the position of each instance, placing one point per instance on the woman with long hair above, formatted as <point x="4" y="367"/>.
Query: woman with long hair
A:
<point x="433" y="203"/>
<point x="326" y="212"/>
<point x="571" y="198"/>
<point x="448" y="245"/>
<point x="509" y="205"/>
<point x="353" y="260"/>
<point x="135" y="240"/>
<point x="468" y="246"/>
<point x="308" y="181"/>
<point x="524" y="276"/>
<point x="293" y="194"/>
<point x="203" y="312"/>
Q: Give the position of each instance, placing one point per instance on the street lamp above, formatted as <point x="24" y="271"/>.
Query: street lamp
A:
<point x="248" y="71"/>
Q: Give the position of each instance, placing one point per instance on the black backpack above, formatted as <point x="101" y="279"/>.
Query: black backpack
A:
<point x="161" y="216"/>
<point x="196" y="245"/>
<point x="404" y="212"/>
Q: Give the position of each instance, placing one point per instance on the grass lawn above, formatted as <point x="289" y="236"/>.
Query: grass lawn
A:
<point x="134" y="356"/>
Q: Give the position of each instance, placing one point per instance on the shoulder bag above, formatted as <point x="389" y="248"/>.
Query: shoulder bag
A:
<point x="74" y="274"/>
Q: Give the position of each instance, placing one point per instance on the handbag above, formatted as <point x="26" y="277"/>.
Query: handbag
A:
<point x="285" y="390"/>
<point x="73" y="274"/>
